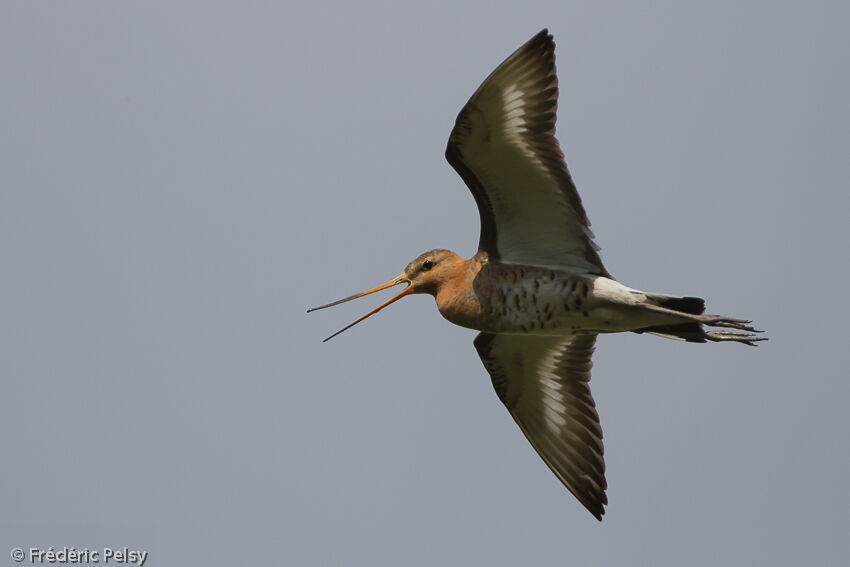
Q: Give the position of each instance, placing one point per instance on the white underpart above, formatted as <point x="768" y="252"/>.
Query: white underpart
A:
<point x="613" y="291"/>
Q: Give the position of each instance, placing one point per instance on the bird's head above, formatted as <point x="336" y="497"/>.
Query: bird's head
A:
<point x="425" y="274"/>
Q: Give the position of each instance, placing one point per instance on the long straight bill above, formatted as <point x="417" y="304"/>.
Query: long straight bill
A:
<point x="395" y="281"/>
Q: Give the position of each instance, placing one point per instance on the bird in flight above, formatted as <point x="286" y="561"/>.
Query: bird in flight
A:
<point x="537" y="289"/>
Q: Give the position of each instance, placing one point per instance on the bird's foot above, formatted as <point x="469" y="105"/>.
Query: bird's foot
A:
<point x="746" y="338"/>
<point x="730" y="322"/>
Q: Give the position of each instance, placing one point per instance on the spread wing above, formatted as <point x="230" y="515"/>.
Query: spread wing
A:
<point x="503" y="146"/>
<point x="543" y="381"/>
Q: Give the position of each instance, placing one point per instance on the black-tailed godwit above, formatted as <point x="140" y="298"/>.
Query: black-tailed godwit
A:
<point x="537" y="289"/>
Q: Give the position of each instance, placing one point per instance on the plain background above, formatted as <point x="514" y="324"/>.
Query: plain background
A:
<point x="180" y="181"/>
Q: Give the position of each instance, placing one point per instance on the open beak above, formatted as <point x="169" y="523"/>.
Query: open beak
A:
<point x="395" y="281"/>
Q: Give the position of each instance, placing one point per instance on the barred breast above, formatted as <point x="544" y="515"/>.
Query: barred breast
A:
<point x="520" y="299"/>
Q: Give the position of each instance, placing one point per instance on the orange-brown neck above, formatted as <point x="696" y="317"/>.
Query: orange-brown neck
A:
<point x="455" y="297"/>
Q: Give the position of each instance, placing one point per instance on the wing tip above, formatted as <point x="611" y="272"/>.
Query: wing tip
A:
<point x="543" y="36"/>
<point x="594" y="499"/>
<point x="595" y="504"/>
<point x="542" y="41"/>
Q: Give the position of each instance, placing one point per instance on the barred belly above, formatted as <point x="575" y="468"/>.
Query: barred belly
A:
<point x="523" y="300"/>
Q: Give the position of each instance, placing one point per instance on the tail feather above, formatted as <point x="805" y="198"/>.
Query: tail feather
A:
<point x="691" y="332"/>
<point x="694" y="331"/>
<point x="692" y="305"/>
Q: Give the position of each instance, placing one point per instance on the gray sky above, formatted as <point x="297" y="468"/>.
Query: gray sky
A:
<point x="180" y="182"/>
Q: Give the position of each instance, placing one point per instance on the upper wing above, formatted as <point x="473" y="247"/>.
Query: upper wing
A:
<point x="543" y="381"/>
<point x="503" y="146"/>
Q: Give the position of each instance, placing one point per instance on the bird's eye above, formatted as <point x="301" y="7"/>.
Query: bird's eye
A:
<point x="427" y="265"/>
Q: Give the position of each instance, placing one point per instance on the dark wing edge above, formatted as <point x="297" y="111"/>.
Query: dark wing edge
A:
<point x="544" y="383"/>
<point x="487" y="239"/>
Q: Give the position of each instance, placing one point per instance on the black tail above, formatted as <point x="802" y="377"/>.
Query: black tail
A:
<point x="692" y="305"/>
<point x="693" y="308"/>
<point x="691" y="332"/>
